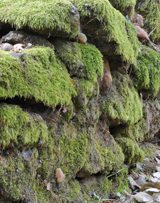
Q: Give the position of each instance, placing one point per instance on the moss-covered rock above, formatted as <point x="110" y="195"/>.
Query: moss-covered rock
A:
<point x="82" y="61"/>
<point x="21" y="128"/>
<point x="125" y="6"/>
<point x="18" y="178"/>
<point x="147" y="71"/>
<point x="69" y="146"/>
<point x="37" y="74"/>
<point x="136" y="132"/>
<point x="150" y="9"/>
<point x="99" y="22"/>
<point x="132" y="151"/>
<point x="103" y="154"/>
<point x="57" y="18"/>
<point x="122" y="105"/>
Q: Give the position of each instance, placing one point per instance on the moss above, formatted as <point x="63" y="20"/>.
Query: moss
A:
<point x="108" y="18"/>
<point x="86" y="90"/>
<point x="131" y="150"/>
<point x="69" y="146"/>
<point x="49" y="17"/>
<point x="37" y="74"/>
<point x="125" y="6"/>
<point x="147" y="71"/>
<point x="82" y="61"/>
<point x="150" y="9"/>
<point x="21" y="128"/>
<point x="135" y="132"/>
<point x="122" y="105"/>
<point x="18" y="179"/>
<point x="120" y="182"/>
<point x="102" y="157"/>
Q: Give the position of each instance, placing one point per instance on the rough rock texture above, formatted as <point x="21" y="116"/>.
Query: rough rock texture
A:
<point x="55" y="112"/>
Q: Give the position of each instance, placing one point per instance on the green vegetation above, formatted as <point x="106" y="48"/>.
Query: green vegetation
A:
<point x="36" y="74"/>
<point x="132" y="151"/>
<point x="18" y="178"/>
<point x="21" y="128"/>
<point x="150" y="9"/>
<point x="147" y="71"/>
<point x="82" y="61"/>
<point x="123" y="104"/>
<point x="109" y="18"/>
<point x="46" y="17"/>
<point x="125" y="6"/>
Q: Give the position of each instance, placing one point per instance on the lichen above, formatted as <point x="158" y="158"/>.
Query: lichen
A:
<point x="150" y="9"/>
<point x="36" y="74"/>
<point x="108" y="17"/>
<point x="49" y="17"/>
<point x="131" y="150"/>
<point x="82" y="61"/>
<point x="147" y="71"/>
<point x="122" y="105"/>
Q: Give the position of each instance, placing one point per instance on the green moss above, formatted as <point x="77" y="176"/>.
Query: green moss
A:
<point x="150" y="9"/>
<point x="135" y="132"/>
<point x="125" y="6"/>
<point x="122" y="105"/>
<point x="131" y="150"/>
<point x="36" y="74"/>
<point x="147" y="71"/>
<point x="46" y="17"/>
<point x="18" y="179"/>
<point x="102" y="157"/>
<point x="109" y="18"/>
<point x="69" y="146"/>
<point x="19" y="127"/>
<point x="82" y="61"/>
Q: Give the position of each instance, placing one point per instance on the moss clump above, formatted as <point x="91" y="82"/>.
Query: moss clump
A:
<point x="131" y="150"/>
<point x="82" y="61"/>
<point x="102" y="156"/>
<point x="122" y="105"/>
<point x="69" y="146"/>
<point x="21" y="128"/>
<point x="36" y="74"/>
<point x="135" y="132"/>
<point x="18" y="179"/>
<point x="125" y="6"/>
<point x="108" y="18"/>
<point x="150" y="9"/>
<point x="147" y="71"/>
<point x="46" y="17"/>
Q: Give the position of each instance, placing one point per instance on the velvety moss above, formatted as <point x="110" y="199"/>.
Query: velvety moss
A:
<point x="69" y="147"/>
<point x="21" y="128"/>
<point x="147" y="71"/>
<point x="122" y="105"/>
<point x="18" y="179"/>
<point x="36" y="74"/>
<point x="86" y="90"/>
<point x="125" y="6"/>
<point x="46" y="17"/>
<point x="109" y="18"/>
<point x="136" y="131"/>
<point x="150" y="9"/>
<point x="82" y="61"/>
<point x="131" y="150"/>
<point x="101" y="157"/>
